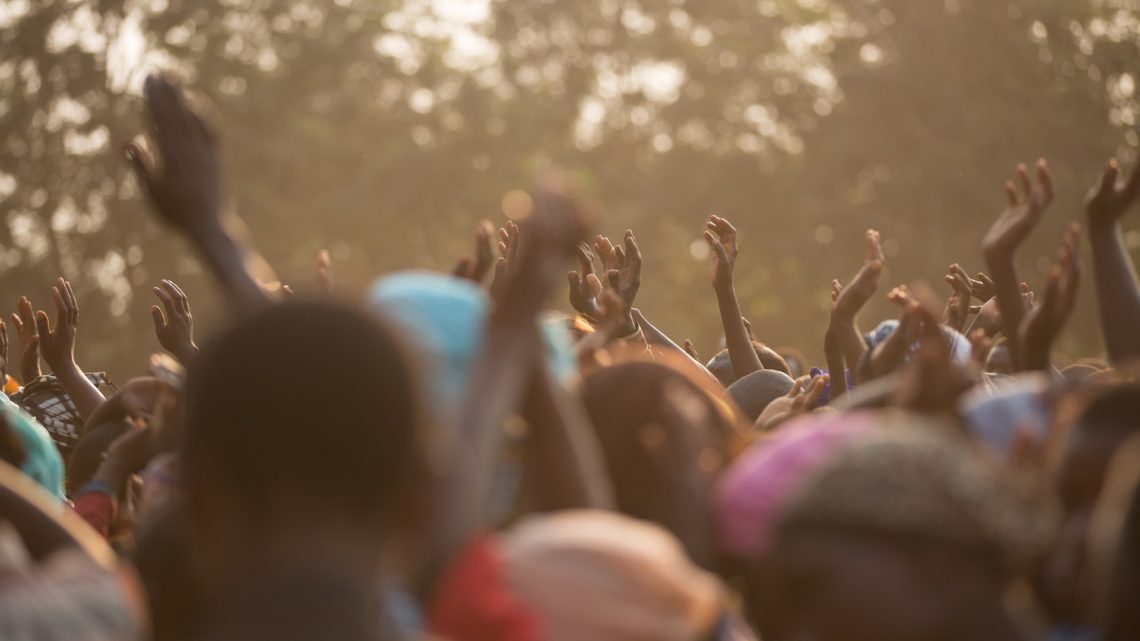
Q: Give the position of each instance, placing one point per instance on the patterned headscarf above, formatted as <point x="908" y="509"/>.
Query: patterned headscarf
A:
<point x="753" y="492"/>
<point x="914" y="476"/>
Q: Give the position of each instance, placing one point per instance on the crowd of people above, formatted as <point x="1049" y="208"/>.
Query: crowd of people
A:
<point x="463" y="463"/>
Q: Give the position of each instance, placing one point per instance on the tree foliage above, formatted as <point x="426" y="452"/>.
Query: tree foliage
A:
<point x="384" y="130"/>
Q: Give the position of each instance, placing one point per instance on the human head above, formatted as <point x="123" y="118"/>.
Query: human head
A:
<point x="298" y="414"/>
<point x="591" y="574"/>
<point x="1078" y="472"/>
<point x="896" y="529"/>
<point x="665" y="434"/>
<point x="39" y="458"/>
<point x="754" y="392"/>
<point x="441" y="319"/>
<point x="721" y="367"/>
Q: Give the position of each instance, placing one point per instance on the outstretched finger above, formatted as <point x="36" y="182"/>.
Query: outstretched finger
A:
<point x="158" y="318"/>
<point x="1045" y="179"/>
<point x="716" y="246"/>
<point x="167" y="300"/>
<point x="1108" y="179"/>
<point x="43" y="331"/>
<point x="595" y="284"/>
<point x="690" y="350"/>
<point x="142" y="165"/>
<point x="1010" y="193"/>
<point x="815" y="390"/>
<point x="1023" y="179"/>
<point x="631" y="248"/>
<point x="613" y="279"/>
<point x="182" y="299"/>
<point x="61" y="314"/>
<point x="585" y="258"/>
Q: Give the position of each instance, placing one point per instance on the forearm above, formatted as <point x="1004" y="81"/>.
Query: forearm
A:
<point x="657" y="337"/>
<point x="833" y="352"/>
<point x="888" y="355"/>
<point x="83" y="393"/>
<point x="231" y="262"/>
<point x="740" y="351"/>
<point x="1008" y="299"/>
<point x="565" y="452"/>
<point x="1117" y="292"/>
<point x="851" y="344"/>
<point x="494" y="393"/>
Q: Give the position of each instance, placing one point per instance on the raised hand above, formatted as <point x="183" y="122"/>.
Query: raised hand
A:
<point x="507" y="262"/>
<point x="850" y="299"/>
<point x="1045" y="320"/>
<point x="477" y="268"/>
<point x="58" y="345"/>
<point x="175" y="327"/>
<point x="58" y="349"/>
<point x="847" y="301"/>
<point x="958" y="306"/>
<point x="184" y="183"/>
<point x="1010" y="229"/>
<point x="629" y="268"/>
<point x="582" y="296"/>
<point x="1023" y="213"/>
<point x="1117" y="292"/>
<point x="721" y="237"/>
<point x="931" y="382"/>
<point x="29" y="344"/>
<point x="982" y="287"/>
<point x="539" y="250"/>
<point x="1111" y="198"/>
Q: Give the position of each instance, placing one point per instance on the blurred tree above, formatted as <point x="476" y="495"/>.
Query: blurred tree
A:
<point x="384" y="130"/>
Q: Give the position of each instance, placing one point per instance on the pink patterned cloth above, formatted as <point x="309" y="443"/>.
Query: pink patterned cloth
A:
<point x="753" y="491"/>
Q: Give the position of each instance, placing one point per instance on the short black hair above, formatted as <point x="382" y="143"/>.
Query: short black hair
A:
<point x="720" y="365"/>
<point x="299" y="407"/>
<point x="1116" y="411"/>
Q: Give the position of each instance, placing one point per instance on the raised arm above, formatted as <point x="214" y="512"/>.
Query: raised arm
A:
<point x="1044" y="322"/>
<point x="185" y="186"/>
<point x="1000" y="244"/>
<point x="58" y="348"/>
<point x="1117" y="292"/>
<point x="721" y="237"/>
<point x="850" y="299"/>
<point x="501" y="378"/>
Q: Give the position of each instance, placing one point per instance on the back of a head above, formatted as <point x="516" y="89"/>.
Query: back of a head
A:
<point x="300" y="408"/>
<point x="755" y="391"/>
<point x="630" y="405"/>
<point x="1117" y="410"/>
<point x="721" y="366"/>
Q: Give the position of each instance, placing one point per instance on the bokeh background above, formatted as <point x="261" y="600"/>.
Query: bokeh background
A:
<point x="385" y="130"/>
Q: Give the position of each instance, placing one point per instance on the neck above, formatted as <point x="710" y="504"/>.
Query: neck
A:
<point x="288" y="588"/>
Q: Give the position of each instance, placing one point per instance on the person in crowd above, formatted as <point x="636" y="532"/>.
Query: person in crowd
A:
<point x="455" y="458"/>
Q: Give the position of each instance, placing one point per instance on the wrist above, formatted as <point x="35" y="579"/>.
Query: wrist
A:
<point x="724" y="287"/>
